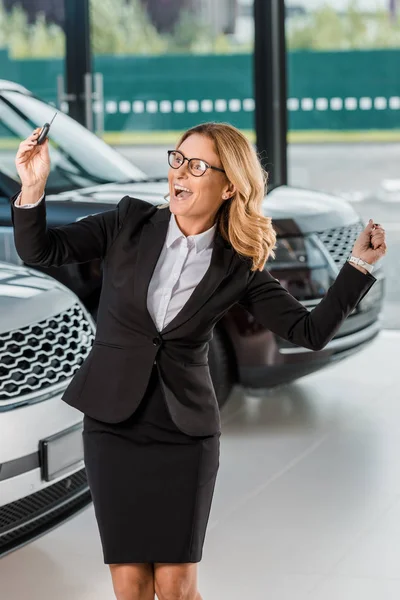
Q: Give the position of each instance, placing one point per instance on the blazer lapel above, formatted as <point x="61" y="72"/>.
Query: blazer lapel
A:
<point x="152" y="238"/>
<point x="221" y="260"/>
<point x="151" y="242"/>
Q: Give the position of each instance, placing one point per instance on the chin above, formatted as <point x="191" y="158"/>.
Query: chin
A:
<point x="179" y="208"/>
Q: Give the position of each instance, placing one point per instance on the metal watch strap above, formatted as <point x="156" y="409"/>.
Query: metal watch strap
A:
<point x="361" y="262"/>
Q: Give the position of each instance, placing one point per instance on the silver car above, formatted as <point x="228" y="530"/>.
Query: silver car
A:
<point x="45" y="335"/>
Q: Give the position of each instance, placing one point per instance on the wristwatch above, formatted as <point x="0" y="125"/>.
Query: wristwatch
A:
<point x="361" y="262"/>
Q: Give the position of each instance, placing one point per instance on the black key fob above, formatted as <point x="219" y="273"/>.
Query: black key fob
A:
<point x="45" y="130"/>
<point x="43" y="133"/>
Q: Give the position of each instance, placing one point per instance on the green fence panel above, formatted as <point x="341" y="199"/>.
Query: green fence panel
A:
<point x="352" y="90"/>
<point x="38" y="75"/>
<point x="175" y="92"/>
<point x="356" y="90"/>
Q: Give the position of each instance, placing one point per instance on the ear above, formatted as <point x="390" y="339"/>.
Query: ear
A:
<point x="228" y="191"/>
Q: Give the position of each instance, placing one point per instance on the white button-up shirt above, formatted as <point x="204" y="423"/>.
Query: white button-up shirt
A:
<point x="182" y="264"/>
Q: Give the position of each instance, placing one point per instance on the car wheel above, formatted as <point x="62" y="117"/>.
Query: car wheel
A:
<point x="222" y="366"/>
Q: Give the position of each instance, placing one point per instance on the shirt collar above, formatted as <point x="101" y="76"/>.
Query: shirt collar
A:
<point x="201" y="240"/>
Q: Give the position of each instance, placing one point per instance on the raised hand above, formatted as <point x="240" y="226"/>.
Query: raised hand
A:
<point x="371" y="243"/>
<point x="33" y="162"/>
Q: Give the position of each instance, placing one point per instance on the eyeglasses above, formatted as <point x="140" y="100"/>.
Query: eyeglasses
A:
<point x="197" y="166"/>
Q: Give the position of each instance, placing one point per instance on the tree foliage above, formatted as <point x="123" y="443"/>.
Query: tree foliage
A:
<point x="37" y="40"/>
<point x="121" y="27"/>
<point x="327" y="29"/>
<point x="125" y="27"/>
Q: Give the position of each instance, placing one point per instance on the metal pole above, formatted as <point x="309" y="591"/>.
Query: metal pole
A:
<point x="99" y="102"/>
<point x="270" y="87"/>
<point x="78" y="61"/>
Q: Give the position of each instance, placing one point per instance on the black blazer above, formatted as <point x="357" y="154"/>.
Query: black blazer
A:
<point x="113" y="378"/>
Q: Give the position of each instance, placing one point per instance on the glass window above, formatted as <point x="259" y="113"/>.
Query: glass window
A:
<point x="168" y="65"/>
<point x="78" y="157"/>
<point x="343" y="88"/>
<point x="344" y="111"/>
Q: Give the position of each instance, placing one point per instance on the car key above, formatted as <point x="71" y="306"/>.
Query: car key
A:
<point x="45" y="131"/>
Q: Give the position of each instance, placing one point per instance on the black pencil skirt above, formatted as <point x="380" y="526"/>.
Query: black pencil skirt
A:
<point x="152" y="485"/>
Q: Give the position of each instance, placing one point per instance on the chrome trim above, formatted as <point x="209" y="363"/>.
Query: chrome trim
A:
<point x="49" y="392"/>
<point x="342" y="343"/>
<point x="70" y="334"/>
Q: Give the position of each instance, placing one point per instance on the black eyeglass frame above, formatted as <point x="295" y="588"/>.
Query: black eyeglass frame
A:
<point x="189" y="161"/>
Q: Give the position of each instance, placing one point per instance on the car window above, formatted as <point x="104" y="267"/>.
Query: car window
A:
<point x="78" y="157"/>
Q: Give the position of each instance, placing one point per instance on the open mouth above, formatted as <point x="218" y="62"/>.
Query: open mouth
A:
<point x="181" y="192"/>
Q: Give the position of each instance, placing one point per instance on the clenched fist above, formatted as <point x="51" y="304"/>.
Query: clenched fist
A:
<point x="371" y="243"/>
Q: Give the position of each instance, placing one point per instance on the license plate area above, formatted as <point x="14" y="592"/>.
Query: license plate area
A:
<point x="61" y="453"/>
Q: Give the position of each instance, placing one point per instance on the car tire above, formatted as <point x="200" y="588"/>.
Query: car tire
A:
<point x="222" y="366"/>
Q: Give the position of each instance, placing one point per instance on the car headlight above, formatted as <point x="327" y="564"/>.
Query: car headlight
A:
<point x="295" y="252"/>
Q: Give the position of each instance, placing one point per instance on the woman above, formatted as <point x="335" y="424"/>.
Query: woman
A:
<point x="152" y="470"/>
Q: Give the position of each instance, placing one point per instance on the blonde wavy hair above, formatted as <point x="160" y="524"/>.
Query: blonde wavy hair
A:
<point x="240" y="220"/>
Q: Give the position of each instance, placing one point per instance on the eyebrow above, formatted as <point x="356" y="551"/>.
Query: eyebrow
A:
<point x="197" y="157"/>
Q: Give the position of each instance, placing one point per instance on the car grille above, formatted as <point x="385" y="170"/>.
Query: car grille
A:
<point x="39" y="356"/>
<point x="24" y="519"/>
<point x="339" y="241"/>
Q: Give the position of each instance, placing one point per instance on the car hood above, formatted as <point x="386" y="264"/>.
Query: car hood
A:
<point x="293" y="210"/>
<point x="28" y="296"/>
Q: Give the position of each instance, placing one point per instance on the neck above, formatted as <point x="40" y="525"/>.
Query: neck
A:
<point x="194" y="226"/>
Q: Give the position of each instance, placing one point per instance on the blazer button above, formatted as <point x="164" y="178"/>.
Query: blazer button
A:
<point x="156" y="341"/>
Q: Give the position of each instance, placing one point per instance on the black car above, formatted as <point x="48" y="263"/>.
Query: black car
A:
<point x="315" y="235"/>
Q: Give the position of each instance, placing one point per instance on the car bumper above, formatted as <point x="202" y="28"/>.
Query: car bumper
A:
<point x="353" y="340"/>
<point x="29" y="505"/>
<point x="286" y="362"/>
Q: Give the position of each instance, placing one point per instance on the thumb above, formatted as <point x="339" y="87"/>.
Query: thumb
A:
<point x="370" y="226"/>
<point x="44" y="150"/>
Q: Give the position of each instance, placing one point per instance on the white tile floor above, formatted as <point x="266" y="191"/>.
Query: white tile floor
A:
<point x="307" y="502"/>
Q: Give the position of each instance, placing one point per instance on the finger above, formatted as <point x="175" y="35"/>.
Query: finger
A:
<point x="45" y="150"/>
<point x="27" y="141"/>
<point x="28" y="144"/>
<point x="24" y="152"/>
<point x="377" y="240"/>
<point x="24" y="149"/>
<point x="379" y="245"/>
<point x="34" y="136"/>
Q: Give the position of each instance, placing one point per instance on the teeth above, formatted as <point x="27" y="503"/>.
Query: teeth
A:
<point x="180" y="187"/>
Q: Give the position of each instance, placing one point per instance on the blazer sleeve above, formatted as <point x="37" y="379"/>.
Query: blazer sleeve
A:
<point x="78" y="242"/>
<point x="275" y="308"/>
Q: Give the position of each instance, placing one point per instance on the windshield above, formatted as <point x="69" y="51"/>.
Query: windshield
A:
<point x="78" y="157"/>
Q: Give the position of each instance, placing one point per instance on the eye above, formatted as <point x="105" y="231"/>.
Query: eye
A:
<point x="198" y="166"/>
<point x="176" y="158"/>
